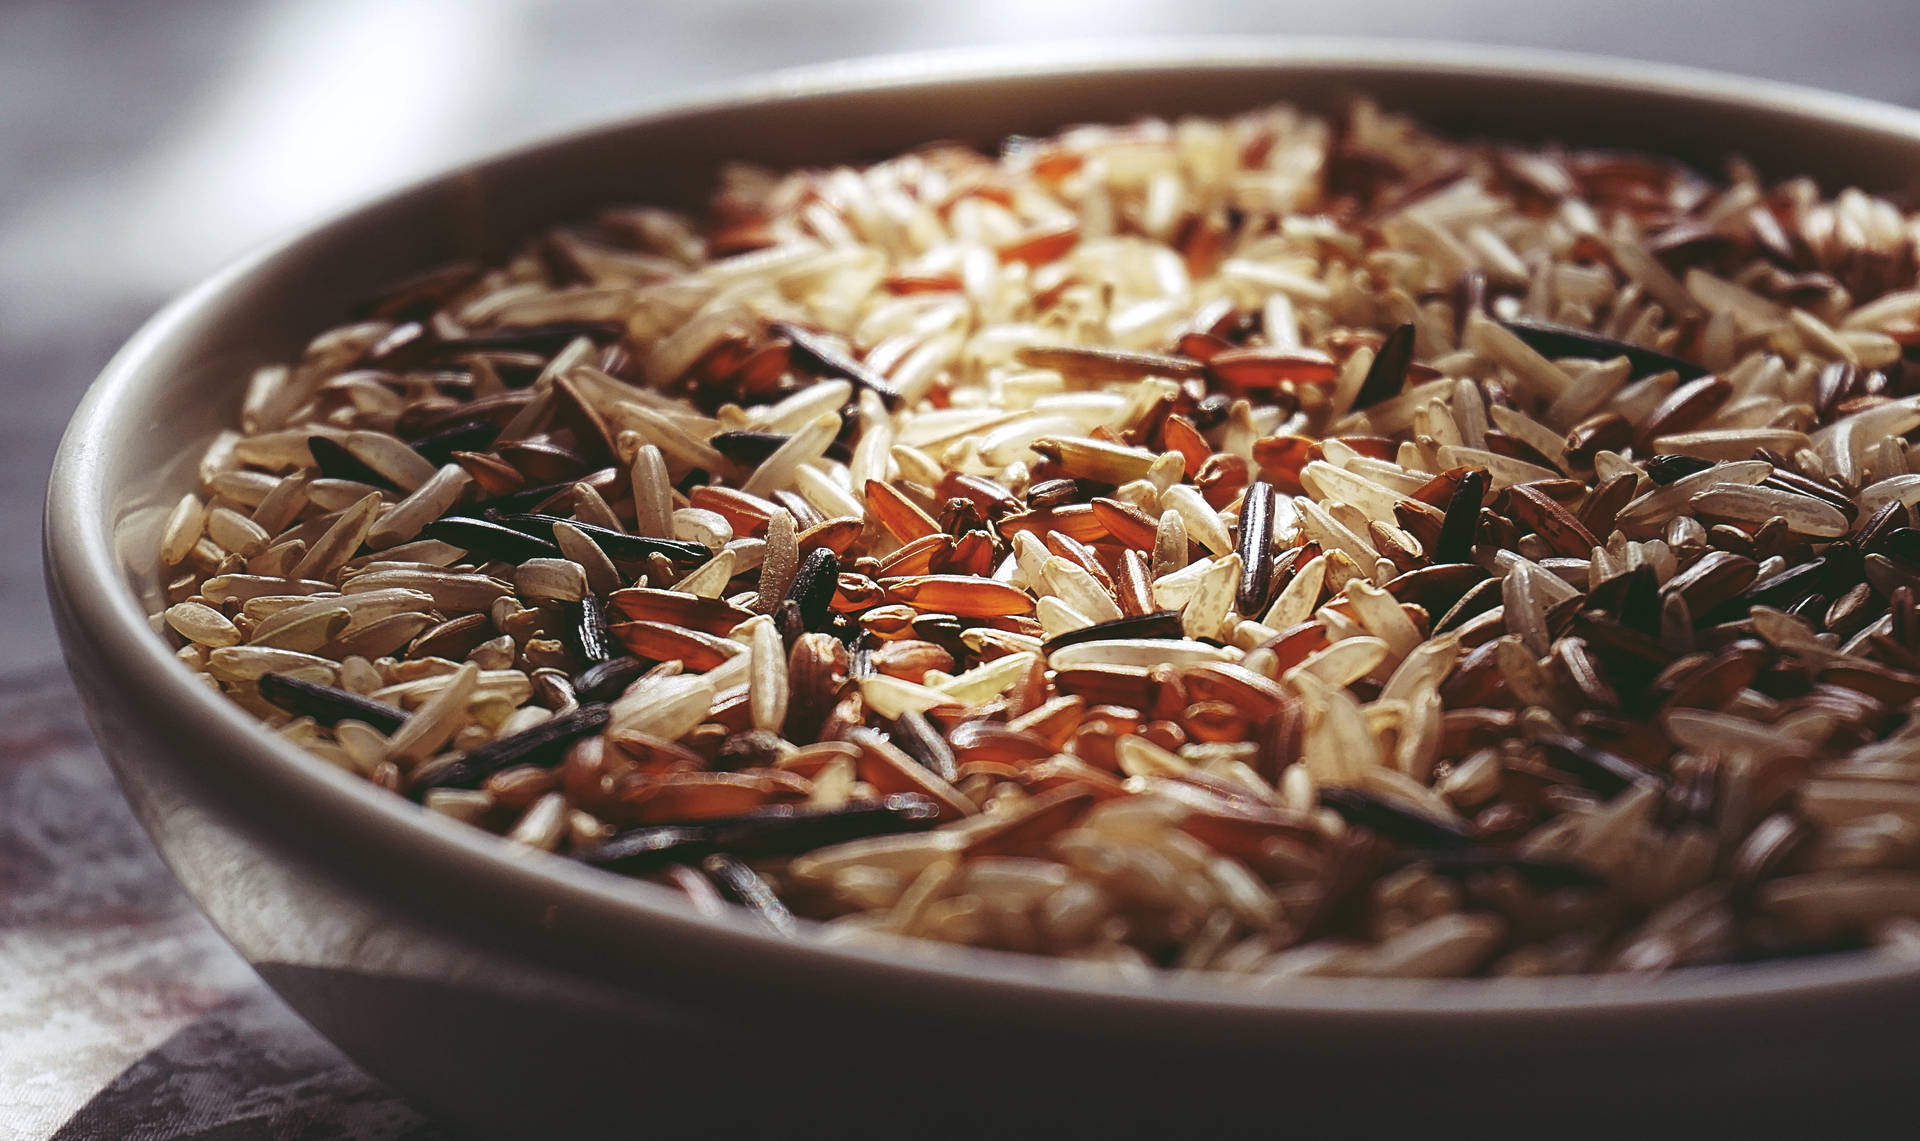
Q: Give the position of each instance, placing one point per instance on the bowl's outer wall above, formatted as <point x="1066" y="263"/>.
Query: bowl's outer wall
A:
<point x="411" y="944"/>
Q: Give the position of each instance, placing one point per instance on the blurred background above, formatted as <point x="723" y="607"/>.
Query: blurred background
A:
<point x="143" y="143"/>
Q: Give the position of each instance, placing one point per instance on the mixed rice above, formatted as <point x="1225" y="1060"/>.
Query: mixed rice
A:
<point x="1282" y="545"/>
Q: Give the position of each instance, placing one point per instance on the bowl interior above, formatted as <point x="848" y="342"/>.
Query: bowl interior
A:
<point x="131" y="449"/>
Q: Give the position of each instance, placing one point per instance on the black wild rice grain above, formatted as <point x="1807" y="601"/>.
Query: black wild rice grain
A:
<point x="917" y="738"/>
<point x="493" y="542"/>
<point x="545" y="340"/>
<point x="336" y="462"/>
<point x="1664" y="469"/>
<point x="749" y="448"/>
<point x="744" y="886"/>
<point x="781" y="829"/>
<point x="1387" y="375"/>
<point x="1159" y="624"/>
<point x="813" y="353"/>
<point x="788" y="619"/>
<point x="1256" y="548"/>
<point x="592" y="641"/>
<point x="528" y="499"/>
<point x="1788" y="586"/>
<point x="615" y="544"/>
<point x="540" y="745"/>
<point x="327" y="704"/>
<point x="1889" y="517"/>
<point x="1902" y="545"/>
<point x="1606" y="772"/>
<point x="1462" y="520"/>
<point x="460" y="436"/>
<point x="1396" y="822"/>
<point x="813" y="587"/>
<point x="1554" y="341"/>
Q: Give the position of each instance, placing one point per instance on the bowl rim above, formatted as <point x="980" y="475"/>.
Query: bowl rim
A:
<point x="78" y="547"/>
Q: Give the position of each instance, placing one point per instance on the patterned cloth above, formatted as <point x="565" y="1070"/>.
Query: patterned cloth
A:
<point x="123" y="1016"/>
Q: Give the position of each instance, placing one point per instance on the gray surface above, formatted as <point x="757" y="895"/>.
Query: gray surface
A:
<point x="143" y="144"/>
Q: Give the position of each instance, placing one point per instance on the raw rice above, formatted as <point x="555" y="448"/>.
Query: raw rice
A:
<point x="1275" y="546"/>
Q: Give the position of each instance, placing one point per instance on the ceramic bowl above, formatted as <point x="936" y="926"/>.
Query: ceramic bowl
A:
<point x="517" y="995"/>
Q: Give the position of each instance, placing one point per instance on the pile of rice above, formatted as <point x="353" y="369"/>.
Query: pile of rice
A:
<point x="1280" y="545"/>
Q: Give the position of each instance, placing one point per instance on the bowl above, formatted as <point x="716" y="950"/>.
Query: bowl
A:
<point x="512" y="994"/>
